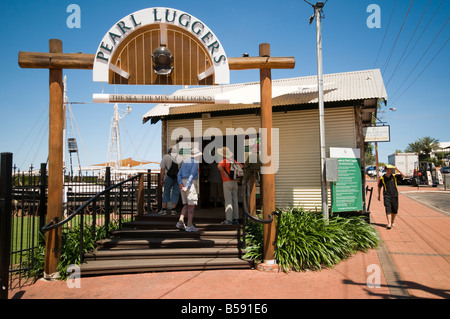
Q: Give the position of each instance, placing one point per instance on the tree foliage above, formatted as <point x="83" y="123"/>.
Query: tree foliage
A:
<point x="424" y="145"/>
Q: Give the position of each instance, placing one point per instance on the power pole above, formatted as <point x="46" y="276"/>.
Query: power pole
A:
<point x="318" y="7"/>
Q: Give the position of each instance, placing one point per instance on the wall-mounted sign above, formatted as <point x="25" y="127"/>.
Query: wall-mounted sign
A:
<point x="161" y="46"/>
<point x="377" y="134"/>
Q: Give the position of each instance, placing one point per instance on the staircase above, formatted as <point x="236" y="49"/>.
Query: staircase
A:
<point x="153" y="244"/>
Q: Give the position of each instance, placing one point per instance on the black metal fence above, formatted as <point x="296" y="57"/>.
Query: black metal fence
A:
<point x="28" y="209"/>
<point x="5" y="221"/>
<point x="23" y="210"/>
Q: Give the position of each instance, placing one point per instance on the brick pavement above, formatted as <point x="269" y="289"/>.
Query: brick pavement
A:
<point x="419" y="244"/>
<point x="417" y="250"/>
<point x="346" y="280"/>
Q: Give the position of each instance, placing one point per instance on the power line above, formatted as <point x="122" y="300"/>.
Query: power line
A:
<point x="420" y="37"/>
<point x="38" y="137"/>
<point x="79" y="135"/>
<point x="407" y="46"/>
<point x="32" y="128"/>
<point x="150" y="144"/>
<point x="423" y="55"/>
<point x="398" y="36"/>
<point x="429" y="63"/>
<point x="385" y="33"/>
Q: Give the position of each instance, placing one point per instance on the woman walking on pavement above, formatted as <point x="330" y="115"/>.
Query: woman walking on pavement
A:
<point x="390" y="194"/>
<point x="187" y="179"/>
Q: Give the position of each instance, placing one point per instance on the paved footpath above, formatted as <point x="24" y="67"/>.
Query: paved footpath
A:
<point x="413" y="262"/>
<point x="419" y="244"/>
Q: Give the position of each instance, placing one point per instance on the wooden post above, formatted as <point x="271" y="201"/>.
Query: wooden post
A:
<point x="267" y="179"/>
<point x="149" y="191"/>
<point x="159" y="193"/>
<point x="140" y="196"/>
<point x="252" y="199"/>
<point x="55" y="167"/>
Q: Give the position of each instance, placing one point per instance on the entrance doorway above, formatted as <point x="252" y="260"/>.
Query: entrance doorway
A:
<point x="211" y="195"/>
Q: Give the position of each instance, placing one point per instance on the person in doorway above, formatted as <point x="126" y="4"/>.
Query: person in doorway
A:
<point x="230" y="186"/>
<point x="169" y="170"/>
<point x="390" y="194"/>
<point x="215" y="183"/>
<point x="188" y="182"/>
<point x="253" y="164"/>
<point x="252" y="168"/>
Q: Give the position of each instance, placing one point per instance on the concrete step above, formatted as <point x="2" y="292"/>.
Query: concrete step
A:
<point x="211" y="252"/>
<point x="174" y="233"/>
<point x="103" y="267"/>
<point x="155" y="242"/>
<point x="198" y="218"/>
<point x="164" y="223"/>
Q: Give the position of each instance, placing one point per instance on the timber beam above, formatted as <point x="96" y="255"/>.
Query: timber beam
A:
<point x="46" y="60"/>
<point x="37" y="60"/>
<point x="250" y="63"/>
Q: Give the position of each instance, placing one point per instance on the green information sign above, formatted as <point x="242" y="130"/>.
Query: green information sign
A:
<point x="347" y="192"/>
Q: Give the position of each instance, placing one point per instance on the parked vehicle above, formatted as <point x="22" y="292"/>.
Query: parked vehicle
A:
<point x="404" y="162"/>
<point x="445" y="170"/>
<point x="425" y="174"/>
<point x="372" y="171"/>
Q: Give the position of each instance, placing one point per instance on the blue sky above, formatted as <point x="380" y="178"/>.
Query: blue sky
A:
<point x="418" y="89"/>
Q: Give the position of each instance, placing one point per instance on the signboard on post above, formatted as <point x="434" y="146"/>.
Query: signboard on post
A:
<point x="347" y="191"/>
<point x="377" y="134"/>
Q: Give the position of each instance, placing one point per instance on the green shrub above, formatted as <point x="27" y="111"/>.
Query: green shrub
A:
<point x="254" y="241"/>
<point x="306" y="241"/>
<point x="70" y="248"/>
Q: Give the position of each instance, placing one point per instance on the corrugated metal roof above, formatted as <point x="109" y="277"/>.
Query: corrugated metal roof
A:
<point x="348" y="86"/>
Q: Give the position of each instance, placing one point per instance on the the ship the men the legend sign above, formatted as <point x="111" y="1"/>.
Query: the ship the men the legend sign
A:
<point x="160" y="46"/>
<point x="157" y="98"/>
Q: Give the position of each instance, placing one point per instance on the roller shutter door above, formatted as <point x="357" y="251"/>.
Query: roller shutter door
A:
<point x="298" y="178"/>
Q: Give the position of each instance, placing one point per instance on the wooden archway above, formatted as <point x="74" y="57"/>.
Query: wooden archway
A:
<point x="134" y="56"/>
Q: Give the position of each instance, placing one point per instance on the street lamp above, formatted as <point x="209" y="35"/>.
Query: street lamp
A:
<point x="318" y="14"/>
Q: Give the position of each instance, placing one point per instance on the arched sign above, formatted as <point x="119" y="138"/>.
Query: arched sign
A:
<point x="160" y="46"/>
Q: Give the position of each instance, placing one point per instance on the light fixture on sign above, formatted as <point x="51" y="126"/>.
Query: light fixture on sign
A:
<point x="163" y="60"/>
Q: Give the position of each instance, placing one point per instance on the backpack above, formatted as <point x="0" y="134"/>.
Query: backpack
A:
<point x="236" y="171"/>
<point x="173" y="170"/>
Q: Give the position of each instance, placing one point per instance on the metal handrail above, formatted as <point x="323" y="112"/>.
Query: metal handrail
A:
<point x="258" y="220"/>
<point x="247" y="213"/>
<point x="370" y="198"/>
<point x="54" y="222"/>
